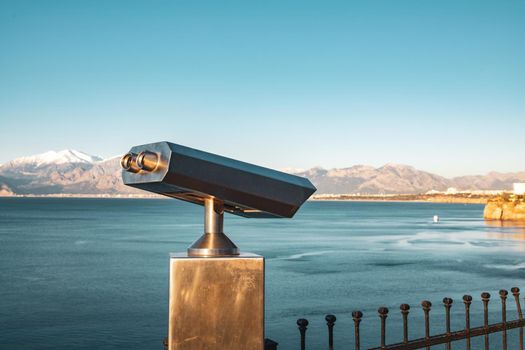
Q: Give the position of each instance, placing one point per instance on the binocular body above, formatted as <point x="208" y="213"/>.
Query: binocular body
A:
<point x="191" y="175"/>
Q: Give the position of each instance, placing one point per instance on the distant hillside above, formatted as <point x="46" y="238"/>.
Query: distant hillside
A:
<point x="491" y="181"/>
<point x="74" y="172"/>
<point x="390" y="178"/>
<point x="402" y="179"/>
<point x="80" y="174"/>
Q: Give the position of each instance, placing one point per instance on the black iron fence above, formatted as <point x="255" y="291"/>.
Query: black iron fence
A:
<point x="428" y="341"/>
<point x="446" y="338"/>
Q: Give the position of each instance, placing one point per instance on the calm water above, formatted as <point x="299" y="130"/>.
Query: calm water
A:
<point x="92" y="274"/>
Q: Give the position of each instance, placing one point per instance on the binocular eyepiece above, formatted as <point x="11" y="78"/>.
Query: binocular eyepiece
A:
<point x="134" y="163"/>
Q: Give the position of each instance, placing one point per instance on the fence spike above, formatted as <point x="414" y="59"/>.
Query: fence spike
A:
<point x="426" y="309"/>
<point x="405" y="309"/>
<point x="447" y="302"/>
<point x="485" y="297"/>
<point x="356" y="316"/>
<point x="467" y="300"/>
<point x="302" y="323"/>
<point x="503" y="295"/>
<point x="516" y="292"/>
<point x="330" y="322"/>
<point x="383" y="314"/>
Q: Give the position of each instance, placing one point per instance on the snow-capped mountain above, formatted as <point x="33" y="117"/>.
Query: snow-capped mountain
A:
<point x="47" y="169"/>
<point x="53" y="157"/>
<point x="74" y="172"/>
<point x="63" y="172"/>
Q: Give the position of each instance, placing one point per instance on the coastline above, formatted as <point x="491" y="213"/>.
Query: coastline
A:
<point x="421" y="198"/>
<point x="462" y="198"/>
<point x="95" y="196"/>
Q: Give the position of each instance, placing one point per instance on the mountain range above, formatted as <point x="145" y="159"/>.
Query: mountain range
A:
<point x="64" y="172"/>
<point x="74" y="172"/>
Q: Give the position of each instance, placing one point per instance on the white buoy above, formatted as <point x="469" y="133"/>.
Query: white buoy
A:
<point x="436" y="218"/>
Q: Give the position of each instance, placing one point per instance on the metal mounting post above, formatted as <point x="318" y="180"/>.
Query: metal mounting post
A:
<point x="213" y="242"/>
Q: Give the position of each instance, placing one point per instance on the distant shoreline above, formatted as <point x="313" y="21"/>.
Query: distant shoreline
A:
<point x="462" y="198"/>
<point x="399" y="201"/>
<point x="94" y="196"/>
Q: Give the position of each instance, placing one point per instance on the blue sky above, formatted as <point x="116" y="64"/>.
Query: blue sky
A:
<point x="435" y="84"/>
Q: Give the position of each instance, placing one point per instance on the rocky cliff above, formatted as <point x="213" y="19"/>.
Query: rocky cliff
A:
<point x="505" y="208"/>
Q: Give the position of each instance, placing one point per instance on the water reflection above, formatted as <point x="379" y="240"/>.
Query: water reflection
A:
<point x="503" y="229"/>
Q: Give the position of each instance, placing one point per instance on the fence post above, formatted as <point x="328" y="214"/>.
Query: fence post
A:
<point x="516" y="292"/>
<point x="302" y="323"/>
<point x="356" y="316"/>
<point x="467" y="300"/>
<point x="486" y="298"/>
<point x="405" y="309"/>
<point x="426" y="309"/>
<point x="383" y="314"/>
<point x="503" y="295"/>
<point x="448" y="304"/>
<point x="330" y="322"/>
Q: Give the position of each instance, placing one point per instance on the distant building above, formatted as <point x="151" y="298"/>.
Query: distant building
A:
<point x="452" y="190"/>
<point x="519" y="188"/>
<point x="431" y="192"/>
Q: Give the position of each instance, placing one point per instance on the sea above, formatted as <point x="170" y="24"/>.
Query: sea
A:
<point x="93" y="273"/>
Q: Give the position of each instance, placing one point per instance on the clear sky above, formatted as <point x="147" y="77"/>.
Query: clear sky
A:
<point x="439" y="85"/>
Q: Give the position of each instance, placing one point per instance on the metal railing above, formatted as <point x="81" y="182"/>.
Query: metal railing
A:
<point x="428" y="340"/>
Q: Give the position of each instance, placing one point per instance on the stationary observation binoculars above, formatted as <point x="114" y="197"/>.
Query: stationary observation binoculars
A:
<point x="218" y="183"/>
